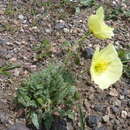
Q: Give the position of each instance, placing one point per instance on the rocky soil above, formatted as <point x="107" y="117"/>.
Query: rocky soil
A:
<point x="24" y="24"/>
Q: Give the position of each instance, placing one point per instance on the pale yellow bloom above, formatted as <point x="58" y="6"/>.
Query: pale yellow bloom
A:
<point x="98" y="27"/>
<point x="106" y="67"/>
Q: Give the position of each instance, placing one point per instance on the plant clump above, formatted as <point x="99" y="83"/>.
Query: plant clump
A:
<point x="47" y="92"/>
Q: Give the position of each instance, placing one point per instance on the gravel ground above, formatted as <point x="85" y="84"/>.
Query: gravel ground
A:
<point x="25" y="24"/>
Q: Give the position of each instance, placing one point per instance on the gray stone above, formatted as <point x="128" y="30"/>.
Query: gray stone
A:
<point x="4" y="117"/>
<point x="99" y="107"/>
<point x="59" y="26"/>
<point x="59" y="124"/>
<point x="89" y="53"/>
<point x="2" y="41"/>
<point x="3" y="52"/>
<point x="128" y="103"/>
<point x="69" y="126"/>
<point x="115" y="110"/>
<point x="93" y="120"/>
<point x="18" y="126"/>
<point x="125" y="91"/>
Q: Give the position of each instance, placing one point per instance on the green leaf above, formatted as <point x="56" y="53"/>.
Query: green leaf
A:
<point x="127" y="13"/>
<point x="35" y="120"/>
<point x="77" y="10"/>
<point x="127" y="71"/>
<point x="82" y="119"/>
<point x="48" y="119"/>
<point x="124" y="55"/>
<point x="40" y="101"/>
<point x="128" y="55"/>
<point x="70" y="114"/>
<point x="125" y="58"/>
<point x="43" y="49"/>
<point x="66" y="45"/>
<point x="88" y="3"/>
<point x="67" y="76"/>
<point x="4" y="69"/>
<point x="5" y="73"/>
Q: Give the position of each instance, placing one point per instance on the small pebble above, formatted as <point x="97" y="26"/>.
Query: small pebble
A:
<point x="69" y="126"/>
<point x="13" y="59"/>
<point x="106" y="118"/>
<point x="93" y="120"/>
<point x="125" y="91"/>
<point x="121" y="97"/>
<point x="88" y="53"/>
<point x="124" y="114"/>
<point x="3" y="41"/>
<point x="124" y="103"/>
<point x="113" y="92"/>
<point x="128" y="103"/>
<point x="21" y="17"/>
<point x="48" y="30"/>
<point x="117" y="103"/>
<point x="66" y="30"/>
<point x="4" y="117"/>
<point x="115" y="109"/>
<point x="24" y="21"/>
<point x="98" y="107"/>
<point x="59" y="26"/>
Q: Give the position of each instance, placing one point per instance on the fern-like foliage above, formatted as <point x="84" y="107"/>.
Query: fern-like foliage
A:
<point x="46" y="92"/>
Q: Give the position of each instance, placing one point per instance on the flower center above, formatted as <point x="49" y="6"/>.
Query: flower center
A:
<point x="101" y="66"/>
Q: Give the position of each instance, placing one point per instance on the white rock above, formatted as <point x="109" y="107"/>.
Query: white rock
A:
<point x="124" y="114"/>
<point x="66" y="30"/>
<point x="48" y="30"/>
<point x="122" y="97"/>
<point x="113" y="92"/>
<point x="21" y="17"/>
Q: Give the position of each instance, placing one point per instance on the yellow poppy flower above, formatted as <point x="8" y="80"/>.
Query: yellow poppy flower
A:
<point x="98" y="27"/>
<point x="106" y="67"/>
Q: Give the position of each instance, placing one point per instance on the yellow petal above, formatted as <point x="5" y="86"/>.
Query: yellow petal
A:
<point x="98" y="27"/>
<point x="100" y="13"/>
<point x="94" y="24"/>
<point x="109" y="67"/>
